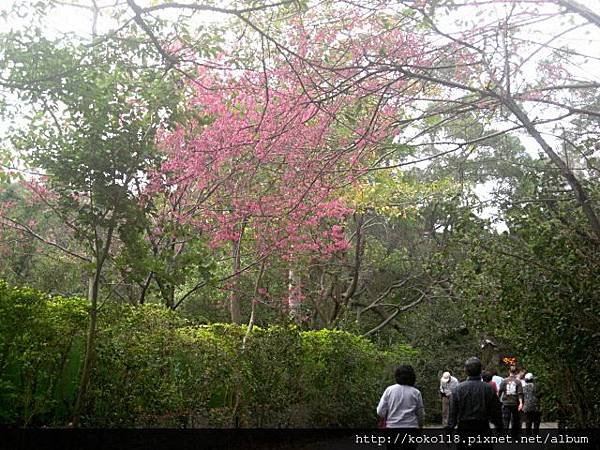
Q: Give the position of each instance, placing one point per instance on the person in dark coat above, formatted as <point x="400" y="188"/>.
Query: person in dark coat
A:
<point x="474" y="404"/>
<point x="511" y="396"/>
<point x="531" y="407"/>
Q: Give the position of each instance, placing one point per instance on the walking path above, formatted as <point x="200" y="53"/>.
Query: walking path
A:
<point x="544" y="425"/>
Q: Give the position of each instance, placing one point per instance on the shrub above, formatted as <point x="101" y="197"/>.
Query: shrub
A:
<point x="41" y="340"/>
<point x="153" y="369"/>
<point x="171" y="375"/>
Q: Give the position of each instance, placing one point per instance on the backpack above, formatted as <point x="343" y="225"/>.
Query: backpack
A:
<point x="530" y="401"/>
<point x="510" y="390"/>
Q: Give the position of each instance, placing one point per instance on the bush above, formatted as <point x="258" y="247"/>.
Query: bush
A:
<point x="153" y="369"/>
<point x="343" y="377"/>
<point x="41" y="341"/>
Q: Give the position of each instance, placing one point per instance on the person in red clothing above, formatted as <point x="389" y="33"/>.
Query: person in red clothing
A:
<point x="486" y="376"/>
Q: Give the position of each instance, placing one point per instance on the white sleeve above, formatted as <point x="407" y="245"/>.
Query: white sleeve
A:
<point x="382" y="407"/>
<point x="420" y="408"/>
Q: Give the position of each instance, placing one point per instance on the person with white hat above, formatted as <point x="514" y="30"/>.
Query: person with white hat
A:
<point x="447" y="384"/>
<point x="531" y="407"/>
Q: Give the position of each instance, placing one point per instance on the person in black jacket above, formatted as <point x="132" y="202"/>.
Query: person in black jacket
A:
<point x="474" y="404"/>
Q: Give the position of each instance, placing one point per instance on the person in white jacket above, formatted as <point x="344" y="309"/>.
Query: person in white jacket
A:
<point x="401" y="405"/>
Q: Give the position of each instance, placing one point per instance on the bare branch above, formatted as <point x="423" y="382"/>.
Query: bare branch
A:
<point x="399" y="309"/>
<point x="24" y="228"/>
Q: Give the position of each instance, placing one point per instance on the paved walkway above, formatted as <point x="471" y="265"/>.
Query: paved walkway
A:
<point x="544" y="425"/>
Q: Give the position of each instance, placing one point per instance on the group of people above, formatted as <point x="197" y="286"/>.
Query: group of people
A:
<point x="471" y="405"/>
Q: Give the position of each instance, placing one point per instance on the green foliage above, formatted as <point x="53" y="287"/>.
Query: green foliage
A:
<point x="92" y="122"/>
<point x="88" y="118"/>
<point x="177" y="375"/>
<point x="24" y="260"/>
<point x="40" y="345"/>
<point x="154" y="368"/>
<point x="398" y="194"/>
<point x="537" y="289"/>
<point x="273" y="387"/>
<point x="87" y="114"/>
<point x="136" y="351"/>
<point x="344" y="376"/>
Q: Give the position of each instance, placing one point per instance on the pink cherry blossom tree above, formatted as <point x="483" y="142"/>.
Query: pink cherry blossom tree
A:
<point x="263" y="167"/>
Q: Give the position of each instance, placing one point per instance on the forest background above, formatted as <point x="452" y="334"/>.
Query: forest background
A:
<point x="246" y="213"/>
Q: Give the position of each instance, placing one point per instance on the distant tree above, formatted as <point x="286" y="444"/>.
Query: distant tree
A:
<point x="91" y="120"/>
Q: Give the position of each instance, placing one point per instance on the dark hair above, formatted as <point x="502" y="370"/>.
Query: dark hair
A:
<point x="405" y="375"/>
<point x="473" y="367"/>
<point x="486" y="376"/>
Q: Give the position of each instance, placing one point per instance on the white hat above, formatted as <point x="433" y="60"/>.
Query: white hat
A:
<point x="528" y="376"/>
<point x="445" y="377"/>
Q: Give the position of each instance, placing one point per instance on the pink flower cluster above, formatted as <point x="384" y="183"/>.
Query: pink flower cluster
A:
<point x="265" y="161"/>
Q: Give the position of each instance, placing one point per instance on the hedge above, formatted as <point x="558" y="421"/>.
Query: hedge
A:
<point x="41" y="343"/>
<point x="155" y="369"/>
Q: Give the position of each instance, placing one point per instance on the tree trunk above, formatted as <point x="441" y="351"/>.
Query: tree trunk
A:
<point x="100" y="253"/>
<point x="293" y="303"/>
<point x="253" y="306"/>
<point x="580" y="193"/>
<point x="167" y="291"/>
<point x="93" y="287"/>
<point x="234" y="298"/>
<point x="171" y="296"/>
<point x="358" y="253"/>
